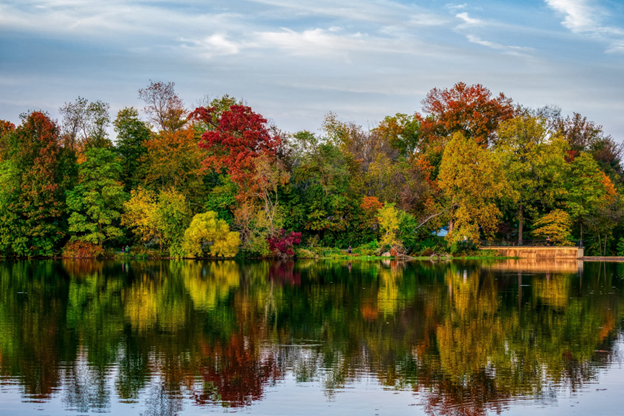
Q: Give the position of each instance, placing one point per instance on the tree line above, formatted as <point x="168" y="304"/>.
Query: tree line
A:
<point x="220" y="180"/>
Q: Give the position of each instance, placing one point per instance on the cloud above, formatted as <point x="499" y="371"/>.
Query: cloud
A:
<point x="578" y="14"/>
<point x="469" y="21"/>
<point x="470" y="24"/>
<point x="581" y="17"/>
<point x="213" y="45"/>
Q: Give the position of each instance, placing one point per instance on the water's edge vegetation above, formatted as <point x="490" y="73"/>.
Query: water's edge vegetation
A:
<point x="220" y="181"/>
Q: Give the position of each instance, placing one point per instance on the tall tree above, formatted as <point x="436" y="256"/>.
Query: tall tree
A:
<point x="85" y="124"/>
<point x="96" y="201"/>
<point x="467" y="109"/>
<point x="587" y="188"/>
<point x="533" y="162"/>
<point x="132" y="135"/>
<point x="33" y="180"/>
<point x="163" y="106"/>
<point x="471" y="181"/>
<point x="174" y="161"/>
<point x="237" y="139"/>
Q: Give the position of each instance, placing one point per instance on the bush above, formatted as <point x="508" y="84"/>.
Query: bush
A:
<point x="81" y="249"/>
<point x="462" y="247"/>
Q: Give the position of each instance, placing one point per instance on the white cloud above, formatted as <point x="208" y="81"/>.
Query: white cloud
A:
<point x="583" y="17"/>
<point x="578" y="14"/>
<point x="469" y="21"/>
<point x="213" y="45"/>
<point x="514" y="50"/>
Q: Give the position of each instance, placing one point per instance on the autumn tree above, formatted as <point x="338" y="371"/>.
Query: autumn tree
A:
<point x="174" y="160"/>
<point x="140" y="215"/>
<point x="97" y="200"/>
<point x="471" y="181"/>
<point x="270" y="175"/>
<point x="85" y="124"/>
<point x="237" y="139"/>
<point x="471" y="110"/>
<point x="162" y="218"/>
<point x="163" y="106"/>
<point x="402" y="132"/>
<point x="388" y="217"/>
<point x="34" y="173"/>
<point x="556" y="225"/>
<point x="132" y="136"/>
<point x="209" y="233"/>
<point x="533" y="162"/>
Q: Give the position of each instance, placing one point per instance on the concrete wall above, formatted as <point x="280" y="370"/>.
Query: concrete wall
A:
<point x="539" y="252"/>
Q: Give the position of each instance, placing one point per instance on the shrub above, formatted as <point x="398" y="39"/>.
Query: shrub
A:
<point x="283" y="243"/>
<point x="81" y="249"/>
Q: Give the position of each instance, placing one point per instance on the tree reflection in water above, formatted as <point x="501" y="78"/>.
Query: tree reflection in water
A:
<point x="466" y="339"/>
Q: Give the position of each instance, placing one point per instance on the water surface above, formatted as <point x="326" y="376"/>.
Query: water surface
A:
<point x="310" y="337"/>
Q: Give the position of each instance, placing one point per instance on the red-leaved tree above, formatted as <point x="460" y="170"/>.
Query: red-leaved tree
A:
<point x="282" y="244"/>
<point x="236" y="139"/>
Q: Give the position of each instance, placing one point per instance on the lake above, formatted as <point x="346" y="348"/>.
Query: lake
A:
<point x="311" y="338"/>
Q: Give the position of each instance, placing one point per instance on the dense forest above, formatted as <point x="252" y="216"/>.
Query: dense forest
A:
<point x="220" y="180"/>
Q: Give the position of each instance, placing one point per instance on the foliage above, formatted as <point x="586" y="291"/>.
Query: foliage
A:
<point x="96" y="202"/>
<point x="470" y="180"/>
<point x="586" y="188"/>
<point x="81" y="249"/>
<point x="389" y="226"/>
<point x="162" y="218"/>
<point x="237" y="138"/>
<point x="132" y="134"/>
<point x="163" y="106"/>
<point x="208" y="232"/>
<point x="555" y="225"/>
<point x="85" y="124"/>
<point x="467" y="109"/>
<point x="173" y="160"/>
<point x="173" y="215"/>
<point x="620" y="247"/>
<point x="534" y="165"/>
<point x="34" y="176"/>
<point x="468" y="161"/>
<point x="282" y="244"/>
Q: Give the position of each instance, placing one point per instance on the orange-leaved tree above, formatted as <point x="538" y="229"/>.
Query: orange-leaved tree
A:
<point x="471" y="110"/>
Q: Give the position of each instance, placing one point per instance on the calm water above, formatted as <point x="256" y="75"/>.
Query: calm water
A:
<point x="308" y="338"/>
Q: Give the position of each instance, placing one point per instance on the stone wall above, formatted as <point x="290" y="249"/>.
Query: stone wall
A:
<point x="539" y="252"/>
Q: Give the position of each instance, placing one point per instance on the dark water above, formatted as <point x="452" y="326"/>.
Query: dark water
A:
<point x="308" y="338"/>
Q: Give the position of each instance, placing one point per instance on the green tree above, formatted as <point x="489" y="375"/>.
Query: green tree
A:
<point x="173" y="215"/>
<point x="534" y="164"/>
<point x="96" y="201"/>
<point x="131" y="135"/>
<point x="585" y="187"/>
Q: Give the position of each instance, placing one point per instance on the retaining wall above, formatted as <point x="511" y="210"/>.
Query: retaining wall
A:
<point x="541" y="253"/>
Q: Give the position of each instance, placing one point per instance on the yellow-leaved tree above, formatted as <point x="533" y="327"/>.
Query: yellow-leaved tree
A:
<point x="557" y="225"/>
<point x="388" y="217"/>
<point x="207" y="231"/>
<point x="472" y="182"/>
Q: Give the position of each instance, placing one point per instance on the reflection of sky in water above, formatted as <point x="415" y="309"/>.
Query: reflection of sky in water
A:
<point x="311" y="338"/>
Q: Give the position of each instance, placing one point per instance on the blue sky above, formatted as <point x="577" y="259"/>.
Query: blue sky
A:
<point x="295" y="60"/>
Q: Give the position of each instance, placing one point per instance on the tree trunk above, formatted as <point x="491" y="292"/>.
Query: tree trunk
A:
<point x="520" y="224"/>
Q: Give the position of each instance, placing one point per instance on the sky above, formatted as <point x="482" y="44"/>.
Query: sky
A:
<point x="294" y="61"/>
